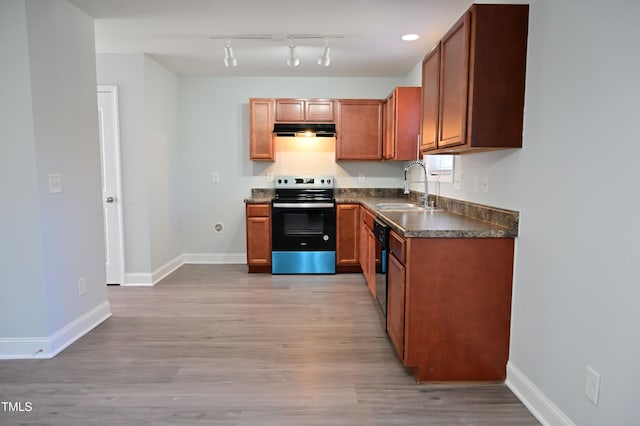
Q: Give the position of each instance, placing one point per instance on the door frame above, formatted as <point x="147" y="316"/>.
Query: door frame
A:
<point x="112" y="91"/>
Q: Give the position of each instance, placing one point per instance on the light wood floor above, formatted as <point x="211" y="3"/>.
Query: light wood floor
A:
<point x="213" y="345"/>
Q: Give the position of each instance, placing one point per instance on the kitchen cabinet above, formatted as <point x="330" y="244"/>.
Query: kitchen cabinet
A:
<point x="474" y="80"/>
<point x="261" y="139"/>
<point x="304" y="110"/>
<point x="430" y="100"/>
<point x="258" y="225"/>
<point x="449" y="315"/>
<point x="369" y="257"/>
<point x="359" y="129"/>
<point x="395" y="304"/>
<point x="347" y="231"/>
<point x="402" y="124"/>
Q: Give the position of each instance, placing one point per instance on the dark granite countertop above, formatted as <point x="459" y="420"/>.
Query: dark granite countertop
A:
<point x="438" y="223"/>
<point x="451" y="218"/>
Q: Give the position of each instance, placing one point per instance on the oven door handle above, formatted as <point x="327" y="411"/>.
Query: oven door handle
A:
<point x="304" y="205"/>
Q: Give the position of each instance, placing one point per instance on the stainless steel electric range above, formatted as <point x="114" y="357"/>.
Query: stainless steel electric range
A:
<point x="303" y="225"/>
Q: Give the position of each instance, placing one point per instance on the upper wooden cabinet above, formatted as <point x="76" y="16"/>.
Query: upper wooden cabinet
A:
<point x="301" y="110"/>
<point x="261" y="119"/>
<point x="359" y="129"/>
<point x="474" y="80"/>
<point x="430" y="99"/>
<point x="402" y="124"/>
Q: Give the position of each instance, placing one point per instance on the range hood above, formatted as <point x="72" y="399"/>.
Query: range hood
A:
<point x="321" y="130"/>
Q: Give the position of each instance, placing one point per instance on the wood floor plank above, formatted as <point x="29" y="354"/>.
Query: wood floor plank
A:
<point x="213" y="345"/>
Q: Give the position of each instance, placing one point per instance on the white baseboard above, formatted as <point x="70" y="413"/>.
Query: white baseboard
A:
<point x="137" y="280"/>
<point x="534" y="399"/>
<point x="148" y="280"/>
<point x="166" y="269"/>
<point x="48" y="347"/>
<point x="216" y="258"/>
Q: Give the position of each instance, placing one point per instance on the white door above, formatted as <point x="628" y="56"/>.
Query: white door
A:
<point x="111" y="189"/>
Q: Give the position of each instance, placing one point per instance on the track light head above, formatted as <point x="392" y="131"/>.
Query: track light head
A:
<point x="229" y="59"/>
<point x="292" y="60"/>
<point x="325" y="59"/>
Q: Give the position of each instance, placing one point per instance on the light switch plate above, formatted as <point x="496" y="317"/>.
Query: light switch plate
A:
<point x="55" y="183"/>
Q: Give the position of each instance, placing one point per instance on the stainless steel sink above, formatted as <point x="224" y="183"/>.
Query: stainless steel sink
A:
<point x="400" y="207"/>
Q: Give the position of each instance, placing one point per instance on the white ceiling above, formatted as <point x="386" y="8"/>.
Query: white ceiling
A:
<point x="176" y="33"/>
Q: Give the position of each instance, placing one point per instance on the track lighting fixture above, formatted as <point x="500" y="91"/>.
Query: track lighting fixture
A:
<point x="229" y="59"/>
<point x="324" y="59"/>
<point x="293" y="60"/>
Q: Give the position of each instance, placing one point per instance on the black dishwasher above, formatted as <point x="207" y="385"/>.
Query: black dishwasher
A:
<point x="381" y="233"/>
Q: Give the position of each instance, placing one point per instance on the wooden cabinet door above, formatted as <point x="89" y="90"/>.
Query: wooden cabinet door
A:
<point x="454" y="84"/>
<point x="396" y="304"/>
<point x="261" y="119"/>
<point x="258" y="237"/>
<point x="347" y="224"/>
<point x="389" y="146"/>
<point x="402" y="124"/>
<point x="430" y="100"/>
<point x="359" y="129"/>
<point x="367" y="251"/>
<point x="319" y="110"/>
<point x="290" y="110"/>
<point x="301" y="110"/>
<point x="371" y="263"/>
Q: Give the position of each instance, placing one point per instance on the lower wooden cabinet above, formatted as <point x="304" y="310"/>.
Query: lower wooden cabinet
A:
<point x="259" y="237"/>
<point x="395" y="304"/>
<point x="449" y="306"/>
<point x="347" y="238"/>
<point x="368" y="254"/>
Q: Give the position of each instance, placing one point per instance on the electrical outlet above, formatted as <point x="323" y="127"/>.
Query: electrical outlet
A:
<point x="269" y="177"/>
<point x="592" y="385"/>
<point x="485" y="184"/>
<point x="457" y="181"/>
<point x="82" y="286"/>
<point x="215" y="177"/>
<point x="361" y="177"/>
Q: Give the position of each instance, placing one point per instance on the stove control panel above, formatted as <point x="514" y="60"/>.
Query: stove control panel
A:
<point x="320" y="182"/>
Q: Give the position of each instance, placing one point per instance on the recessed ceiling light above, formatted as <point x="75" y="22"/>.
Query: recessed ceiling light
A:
<point x="410" y="37"/>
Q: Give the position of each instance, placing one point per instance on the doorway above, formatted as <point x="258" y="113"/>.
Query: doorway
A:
<point x="109" y="130"/>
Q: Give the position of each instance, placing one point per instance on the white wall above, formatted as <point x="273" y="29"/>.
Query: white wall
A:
<point x="58" y="236"/>
<point x="163" y="153"/>
<point x="150" y="152"/>
<point x="576" y="286"/>
<point x="214" y="136"/>
<point x="22" y="282"/>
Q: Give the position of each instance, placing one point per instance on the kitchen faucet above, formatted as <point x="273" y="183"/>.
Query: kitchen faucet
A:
<point x="426" y="184"/>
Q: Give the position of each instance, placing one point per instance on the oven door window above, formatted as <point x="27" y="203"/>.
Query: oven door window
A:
<point x="300" y="224"/>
